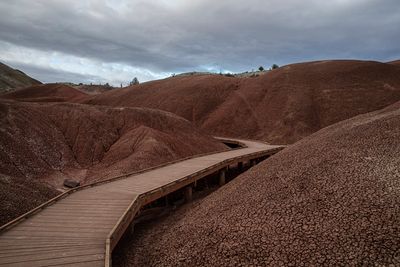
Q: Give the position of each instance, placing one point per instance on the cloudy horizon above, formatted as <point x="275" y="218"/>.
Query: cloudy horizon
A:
<point x="115" y="40"/>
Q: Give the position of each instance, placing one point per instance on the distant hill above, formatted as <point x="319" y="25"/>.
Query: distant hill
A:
<point x="11" y="79"/>
<point x="51" y="92"/>
<point x="281" y="106"/>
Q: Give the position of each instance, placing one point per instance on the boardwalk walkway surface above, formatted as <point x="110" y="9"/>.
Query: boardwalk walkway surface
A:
<point x="82" y="228"/>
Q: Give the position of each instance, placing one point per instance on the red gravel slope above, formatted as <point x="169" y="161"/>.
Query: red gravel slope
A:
<point x="50" y="92"/>
<point x="331" y="199"/>
<point x="281" y="106"/>
<point x="42" y="144"/>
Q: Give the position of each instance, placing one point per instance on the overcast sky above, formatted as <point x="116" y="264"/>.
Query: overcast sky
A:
<point x="116" y="40"/>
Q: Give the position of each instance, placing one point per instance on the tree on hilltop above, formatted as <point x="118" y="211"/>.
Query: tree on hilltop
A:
<point x="134" y="81"/>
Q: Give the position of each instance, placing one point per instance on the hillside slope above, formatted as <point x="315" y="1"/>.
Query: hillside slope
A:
<point x="11" y="79"/>
<point x="41" y="144"/>
<point x="51" y="92"/>
<point x="281" y="106"/>
<point x="331" y="199"/>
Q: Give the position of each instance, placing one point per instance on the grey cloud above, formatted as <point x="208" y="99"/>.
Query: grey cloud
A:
<point x="179" y="35"/>
<point x="51" y="75"/>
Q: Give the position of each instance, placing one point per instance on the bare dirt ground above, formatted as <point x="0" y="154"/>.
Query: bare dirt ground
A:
<point x="330" y="199"/>
<point x="41" y="144"/>
<point x="282" y="106"/>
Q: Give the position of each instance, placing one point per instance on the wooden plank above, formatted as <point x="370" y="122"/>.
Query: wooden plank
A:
<point x="23" y="246"/>
<point x="56" y="260"/>
<point x="28" y="250"/>
<point x="49" y="251"/>
<point x="34" y="227"/>
<point x="60" y="234"/>
<point x="36" y="223"/>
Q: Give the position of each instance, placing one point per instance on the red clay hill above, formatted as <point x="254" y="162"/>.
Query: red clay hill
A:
<point x="51" y="92"/>
<point x="281" y="106"/>
<point x="331" y="199"/>
<point x="44" y="143"/>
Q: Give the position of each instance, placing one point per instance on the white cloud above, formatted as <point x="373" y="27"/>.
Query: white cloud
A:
<point x="99" y="72"/>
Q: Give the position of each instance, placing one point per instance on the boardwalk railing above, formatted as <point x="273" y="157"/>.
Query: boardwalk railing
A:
<point x="112" y="179"/>
<point x="144" y="197"/>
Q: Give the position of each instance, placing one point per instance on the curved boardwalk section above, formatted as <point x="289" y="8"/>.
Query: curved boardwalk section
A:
<point x="82" y="228"/>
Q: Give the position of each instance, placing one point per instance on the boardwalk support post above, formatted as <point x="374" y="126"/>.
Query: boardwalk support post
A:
<point x="222" y="174"/>
<point x="240" y="166"/>
<point x="132" y="228"/>
<point x="188" y="193"/>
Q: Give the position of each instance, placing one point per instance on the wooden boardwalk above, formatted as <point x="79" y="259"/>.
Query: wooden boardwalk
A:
<point x="82" y="228"/>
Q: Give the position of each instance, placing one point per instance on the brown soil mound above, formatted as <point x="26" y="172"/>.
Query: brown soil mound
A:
<point x="331" y="199"/>
<point x="11" y="79"/>
<point x="51" y="92"/>
<point x="193" y="97"/>
<point x="281" y="106"/>
<point x="396" y="62"/>
<point x="47" y="143"/>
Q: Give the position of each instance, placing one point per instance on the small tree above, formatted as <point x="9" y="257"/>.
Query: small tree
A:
<point x="134" y="81"/>
<point x="274" y="66"/>
<point x="261" y="68"/>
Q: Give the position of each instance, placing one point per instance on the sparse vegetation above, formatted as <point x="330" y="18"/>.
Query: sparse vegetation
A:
<point x="134" y="81"/>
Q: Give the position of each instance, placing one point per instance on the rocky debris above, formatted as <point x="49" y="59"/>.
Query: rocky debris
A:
<point x="70" y="183"/>
<point x="280" y="107"/>
<point x="331" y="199"/>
